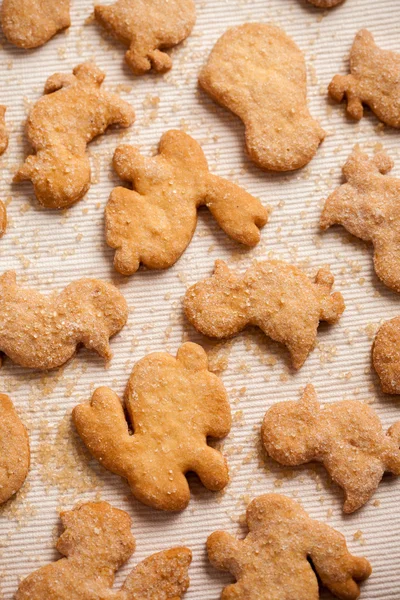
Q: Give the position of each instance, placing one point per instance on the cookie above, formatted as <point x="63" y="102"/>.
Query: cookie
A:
<point x="258" y="72"/>
<point x="346" y="437"/>
<point x="96" y="542"/>
<point x="154" y="223"/>
<point x="275" y="296"/>
<point x="273" y="560"/>
<point x="14" y="450"/>
<point x="3" y="130"/>
<point x="374" y="81"/>
<point x="148" y="27"/>
<point x="325" y="3"/>
<point x="32" y="23"/>
<point x="42" y="332"/>
<point x="73" y="111"/>
<point x="386" y="355"/>
<point x="3" y="218"/>
<point x="174" y="405"/>
<point x="367" y="205"/>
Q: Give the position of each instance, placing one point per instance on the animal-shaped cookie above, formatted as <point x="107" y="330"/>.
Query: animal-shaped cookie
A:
<point x="257" y="72"/>
<point x="374" y="81"/>
<point x="96" y="542"/>
<point x="73" y="111"/>
<point x="14" y="450"/>
<point x="275" y="296"/>
<point x="148" y="27"/>
<point x="346" y="437"/>
<point x="367" y="205"/>
<point x="3" y="218"/>
<point x="154" y="223"/>
<point x="174" y="405"/>
<point x="386" y="355"/>
<point x="32" y="23"/>
<point x="42" y="332"/>
<point x="3" y="130"/>
<point x="325" y="3"/>
<point x="273" y="561"/>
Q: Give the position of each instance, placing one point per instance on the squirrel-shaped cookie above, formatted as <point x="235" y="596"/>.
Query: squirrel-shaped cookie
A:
<point x="386" y="355"/>
<point x="154" y="223"/>
<point x="32" y="23"/>
<point x="148" y="27"/>
<point x="346" y="437"/>
<point x="73" y="111"/>
<point x="374" y="81"/>
<point x="273" y="295"/>
<point x="258" y="72"/>
<point x="14" y="450"/>
<point x="174" y="405"/>
<point x="273" y="560"/>
<point x="42" y="332"/>
<point x="96" y="542"/>
<point x="368" y="206"/>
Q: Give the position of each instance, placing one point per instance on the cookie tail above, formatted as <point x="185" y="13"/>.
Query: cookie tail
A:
<point x="25" y="172"/>
<point x="164" y="574"/>
<point x="332" y="305"/>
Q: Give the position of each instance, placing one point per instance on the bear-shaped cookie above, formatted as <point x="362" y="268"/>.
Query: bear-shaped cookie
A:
<point x="154" y="223"/>
<point x="367" y="205"/>
<point x="73" y="111"/>
<point x="32" y="23"/>
<point x="14" y="450"/>
<point x="148" y="27"/>
<point x="258" y="72"/>
<point x="374" y="81"/>
<point x="346" y="437"/>
<point x="273" y="295"/>
<point x="96" y="542"/>
<point x="283" y="553"/>
<point x="42" y="332"/>
<point x="174" y="405"/>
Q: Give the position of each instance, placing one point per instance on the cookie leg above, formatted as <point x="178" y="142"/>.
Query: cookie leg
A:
<point x="126" y="259"/>
<point x="211" y="467"/>
<point x="346" y="85"/>
<point x="160" y="61"/>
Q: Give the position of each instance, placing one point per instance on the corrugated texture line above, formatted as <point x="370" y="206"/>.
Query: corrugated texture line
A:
<point x="49" y="249"/>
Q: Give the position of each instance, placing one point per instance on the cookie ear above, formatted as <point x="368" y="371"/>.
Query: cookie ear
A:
<point x="193" y="357"/>
<point x="309" y="399"/>
<point x="221" y="270"/>
<point x="8" y="278"/>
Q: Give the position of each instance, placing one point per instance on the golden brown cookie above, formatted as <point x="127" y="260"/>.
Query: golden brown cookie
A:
<point x="367" y="205"/>
<point x="386" y="356"/>
<point x="154" y="223"/>
<point x="73" y="111"/>
<point x="374" y="81"/>
<point x="174" y="405"/>
<point x="42" y="332"/>
<point x="273" y="561"/>
<point x="148" y="27"/>
<point x="3" y="218"/>
<point x="346" y="437"/>
<point x="325" y="3"/>
<point x="3" y="130"/>
<point x="96" y="542"/>
<point x="14" y="450"/>
<point x="275" y="296"/>
<point x="32" y="23"/>
<point x="258" y="72"/>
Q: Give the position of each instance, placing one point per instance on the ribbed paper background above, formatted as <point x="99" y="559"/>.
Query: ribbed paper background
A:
<point x="49" y="249"/>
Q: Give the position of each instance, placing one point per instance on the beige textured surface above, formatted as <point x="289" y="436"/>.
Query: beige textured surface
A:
<point x="346" y="437"/>
<point x="96" y="542"/>
<point x="148" y="27"/>
<point x="174" y="406"/>
<point x="272" y="295"/>
<point x="14" y="450"/>
<point x="272" y="561"/>
<point x="31" y="23"/>
<point x="154" y="223"/>
<point x="258" y="72"/>
<point x="50" y="249"/>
